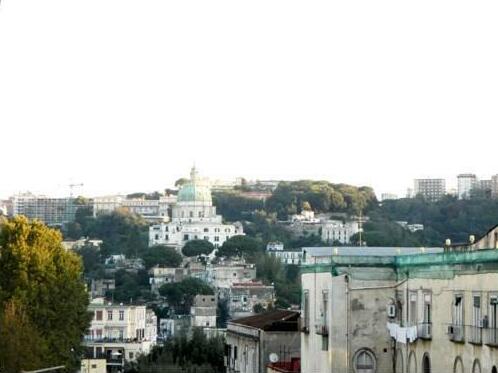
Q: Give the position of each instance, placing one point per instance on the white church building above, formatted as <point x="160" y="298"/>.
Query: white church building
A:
<point x="193" y="218"/>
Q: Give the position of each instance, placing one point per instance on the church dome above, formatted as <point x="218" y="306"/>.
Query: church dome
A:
<point x="194" y="190"/>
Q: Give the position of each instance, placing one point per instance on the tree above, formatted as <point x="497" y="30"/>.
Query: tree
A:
<point x="92" y="261"/>
<point x="21" y="346"/>
<point x="197" y="247"/>
<point x="240" y="246"/>
<point x="181" y="294"/>
<point x="44" y="282"/>
<point x="161" y="255"/>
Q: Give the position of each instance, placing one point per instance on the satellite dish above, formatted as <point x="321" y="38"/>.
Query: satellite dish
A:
<point x="273" y="357"/>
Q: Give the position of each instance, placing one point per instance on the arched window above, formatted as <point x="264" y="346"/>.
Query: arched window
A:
<point x="458" y="366"/>
<point x="426" y="364"/>
<point x="412" y="363"/>
<point x="476" y="368"/>
<point x="364" y="362"/>
<point x="399" y="362"/>
<point x="494" y="370"/>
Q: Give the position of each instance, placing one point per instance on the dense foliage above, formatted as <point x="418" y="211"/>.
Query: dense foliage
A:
<point x="181" y="354"/>
<point x="121" y="231"/>
<point x="197" y="247"/>
<point x="285" y="279"/>
<point x="161" y="255"/>
<point x="322" y="197"/>
<point x="242" y="246"/>
<point x="181" y="295"/>
<point x="234" y="206"/>
<point x="447" y="218"/>
<point x="43" y="302"/>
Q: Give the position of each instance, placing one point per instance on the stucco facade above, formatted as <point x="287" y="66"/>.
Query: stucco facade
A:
<point x="405" y="314"/>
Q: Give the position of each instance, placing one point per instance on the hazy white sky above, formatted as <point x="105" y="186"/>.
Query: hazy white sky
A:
<point x="125" y="95"/>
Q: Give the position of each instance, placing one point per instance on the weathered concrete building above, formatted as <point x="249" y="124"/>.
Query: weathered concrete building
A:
<point x="251" y="340"/>
<point x="389" y="312"/>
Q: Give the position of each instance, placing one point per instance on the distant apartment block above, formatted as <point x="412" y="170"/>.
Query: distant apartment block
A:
<point x="153" y="210"/>
<point x="119" y="333"/>
<point x="51" y="211"/>
<point x="430" y="189"/>
<point x="494" y="186"/>
<point x="466" y="183"/>
<point x="292" y="256"/>
<point x="388" y="196"/>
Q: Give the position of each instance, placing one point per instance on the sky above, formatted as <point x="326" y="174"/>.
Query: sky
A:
<point x="125" y="96"/>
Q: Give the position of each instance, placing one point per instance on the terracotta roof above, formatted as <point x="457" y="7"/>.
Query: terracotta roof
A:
<point x="278" y="320"/>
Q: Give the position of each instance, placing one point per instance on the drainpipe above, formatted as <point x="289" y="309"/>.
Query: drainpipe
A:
<point x="348" y="324"/>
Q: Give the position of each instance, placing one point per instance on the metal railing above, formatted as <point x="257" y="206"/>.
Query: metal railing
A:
<point x="491" y="336"/>
<point x="424" y="330"/>
<point x="456" y="333"/>
<point x="474" y="334"/>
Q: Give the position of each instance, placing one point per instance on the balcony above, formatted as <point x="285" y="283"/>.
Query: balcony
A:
<point x="491" y="337"/>
<point x="474" y="335"/>
<point x="424" y="330"/>
<point x="456" y="333"/>
<point x="322" y="329"/>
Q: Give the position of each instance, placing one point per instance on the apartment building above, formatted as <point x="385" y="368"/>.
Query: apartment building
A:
<point x="382" y="312"/>
<point x="119" y="333"/>
<point x="466" y="184"/>
<point x="51" y="211"/>
<point x="430" y="189"/>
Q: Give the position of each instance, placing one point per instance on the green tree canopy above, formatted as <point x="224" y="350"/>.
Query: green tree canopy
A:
<point x="181" y="294"/>
<point x="240" y="245"/>
<point x="161" y="255"/>
<point x="197" y="247"/>
<point x="41" y="289"/>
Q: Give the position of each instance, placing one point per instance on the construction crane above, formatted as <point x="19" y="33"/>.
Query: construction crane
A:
<point x="72" y="186"/>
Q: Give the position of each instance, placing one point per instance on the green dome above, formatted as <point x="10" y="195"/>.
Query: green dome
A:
<point x="194" y="193"/>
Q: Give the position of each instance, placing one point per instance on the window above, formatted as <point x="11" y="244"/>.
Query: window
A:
<point x="306" y="310"/>
<point x="364" y="362"/>
<point x="458" y="310"/>
<point x="413" y="308"/>
<point x="121" y="315"/>
<point x="206" y="238"/>
<point x="206" y="229"/>
<point x="216" y="238"/>
<point x="427" y="308"/>
<point x="235" y="352"/>
<point x="130" y="355"/>
<point x="185" y="237"/>
<point x="98" y="315"/>
<point x="191" y="214"/>
<point x="426" y="364"/>
<point x="109" y="315"/>
<point x="325" y="304"/>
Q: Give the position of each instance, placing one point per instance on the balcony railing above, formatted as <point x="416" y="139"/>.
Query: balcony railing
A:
<point x="322" y="329"/>
<point x="424" y="330"/>
<point x="456" y="333"/>
<point x="491" y="336"/>
<point x="474" y="334"/>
